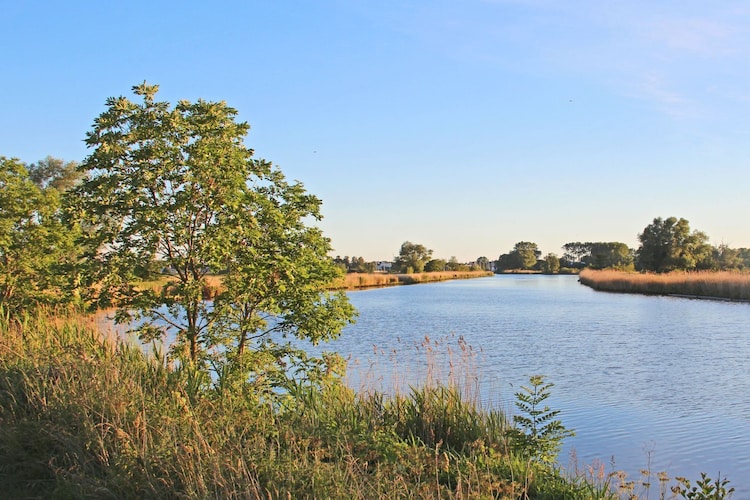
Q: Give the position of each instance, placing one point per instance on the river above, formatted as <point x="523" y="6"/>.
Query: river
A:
<point x="645" y="381"/>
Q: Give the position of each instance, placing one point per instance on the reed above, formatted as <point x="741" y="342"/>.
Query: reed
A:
<point x="699" y="284"/>
<point x="354" y="281"/>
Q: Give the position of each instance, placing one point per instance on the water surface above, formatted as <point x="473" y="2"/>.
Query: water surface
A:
<point x="642" y="379"/>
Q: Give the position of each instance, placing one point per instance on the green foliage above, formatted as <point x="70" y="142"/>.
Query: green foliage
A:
<point x="669" y="245"/>
<point x="435" y="265"/>
<point x="35" y="245"/>
<point x="599" y="255"/>
<point x="483" y="263"/>
<point x="55" y="173"/>
<point x="412" y="258"/>
<point x="705" y="488"/>
<point x="538" y="436"/>
<point x="523" y="256"/>
<point x="551" y="263"/>
<point x="177" y="184"/>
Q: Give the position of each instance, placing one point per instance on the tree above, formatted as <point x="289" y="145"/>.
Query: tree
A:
<point x="613" y="255"/>
<point x="34" y="243"/>
<point x="412" y="257"/>
<point x="551" y="263"/>
<point x="523" y="256"/>
<point x="668" y="245"/>
<point x="178" y="184"/>
<point x="435" y="265"/>
<point x="483" y="263"/>
<point x="575" y="253"/>
<point x="454" y="265"/>
<point x="55" y="173"/>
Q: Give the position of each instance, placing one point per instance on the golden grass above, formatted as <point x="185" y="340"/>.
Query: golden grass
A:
<point x="699" y="284"/>
<point x="353" y="281"/>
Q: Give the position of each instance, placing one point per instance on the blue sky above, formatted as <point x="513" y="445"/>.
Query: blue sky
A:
<point x="463" y="125"/>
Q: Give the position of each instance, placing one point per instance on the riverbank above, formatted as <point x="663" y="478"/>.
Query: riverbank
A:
<point x="351" y="281"/>
<point x="359" y="281"/>
<point x="722" y="285"/>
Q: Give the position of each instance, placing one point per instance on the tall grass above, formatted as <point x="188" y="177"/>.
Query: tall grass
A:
<point x="354" y="281"/>
<point x="700" y="284"/>
<point x="86" y="416"/>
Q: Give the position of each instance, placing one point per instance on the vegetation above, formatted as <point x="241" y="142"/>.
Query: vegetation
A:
<point x="669" y="245"/>
<point x="178" y="183"/>
<point x="524" y="256"/>
<point x="412" y="258"/>
<point x="538" y="436"/>
<point x="724" y="284"/>
<point x="354" y="281"/>
<point x="36" y="248"/>
<point x="598" y="255"/>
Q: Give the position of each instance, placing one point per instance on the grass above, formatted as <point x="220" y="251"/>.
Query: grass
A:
<point x="700" y="284"/>
<point x="354" y="281"/>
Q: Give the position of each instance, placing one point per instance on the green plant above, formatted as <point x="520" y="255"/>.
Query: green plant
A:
<point x="537" y="435"/>
<point x="706" y="488"/>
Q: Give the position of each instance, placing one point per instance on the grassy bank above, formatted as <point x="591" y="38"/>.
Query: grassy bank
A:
<point x="82" y="416"/>
<point x="353" y="281"/>
<point x="703" y="284"/>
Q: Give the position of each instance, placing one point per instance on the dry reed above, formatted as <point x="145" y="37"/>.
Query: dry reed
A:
<point x="698" y="284"/>
<point x="353" y="281"/>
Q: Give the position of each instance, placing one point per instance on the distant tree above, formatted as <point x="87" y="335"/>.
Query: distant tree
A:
<point x="412" y="257"/>
<point x="506" y="262"/>
<point x="178" y="183"/>
<point x="454" y="265"/>
<point x="483" y="263"/>
<point x="55" y="173"/>
<point x="523" y="256"/>
<point x="744" y="255"/>
<point x="435" y="265"/>
<point x="528" y="254"/>
<point x="551" y="263"/>
<point x="610" y="255"/>
<point x="575" y="252"/>
<point x="723" y="258"/>
<point x="669" y="244"/>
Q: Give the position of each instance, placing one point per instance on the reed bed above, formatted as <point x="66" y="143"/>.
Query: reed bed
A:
<point x="698" y="284"/>
<point x="353" y="281"/>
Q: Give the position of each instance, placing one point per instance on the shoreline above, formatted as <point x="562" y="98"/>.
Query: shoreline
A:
<point x="365" y="281"/>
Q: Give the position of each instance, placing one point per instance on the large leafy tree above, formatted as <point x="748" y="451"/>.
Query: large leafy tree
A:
<point x="34" y="244"/>
<point x="669" y="245"/>
<point x="177" y="183"/>
<point x="413" y="257"/>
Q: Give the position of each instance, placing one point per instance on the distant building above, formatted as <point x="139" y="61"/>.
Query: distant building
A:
<point x="384" y="266"/>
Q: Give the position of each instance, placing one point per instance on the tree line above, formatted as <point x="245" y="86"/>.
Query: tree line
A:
<point x="665" y="245"/>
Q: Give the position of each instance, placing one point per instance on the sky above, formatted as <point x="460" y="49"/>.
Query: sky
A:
<point x="462" y="125"/>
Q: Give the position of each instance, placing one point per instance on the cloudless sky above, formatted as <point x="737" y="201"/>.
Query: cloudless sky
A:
<point x="463" y="125"/>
